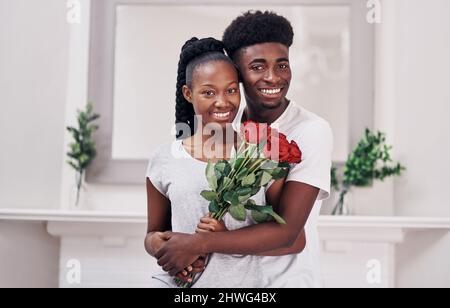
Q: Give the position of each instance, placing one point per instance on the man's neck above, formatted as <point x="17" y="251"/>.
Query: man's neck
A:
<point x="268" y="116"/>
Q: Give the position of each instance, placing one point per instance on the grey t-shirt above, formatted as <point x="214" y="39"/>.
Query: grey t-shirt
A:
<point x="181" y="178"/>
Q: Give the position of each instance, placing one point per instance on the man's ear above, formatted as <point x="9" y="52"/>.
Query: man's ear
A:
<point x="187" y="93"/>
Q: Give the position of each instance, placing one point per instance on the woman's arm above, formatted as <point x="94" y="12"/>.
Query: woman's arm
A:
<point x="158" y="223"/>
<point x="295" y="206"/>
<point x="158" y="219"/>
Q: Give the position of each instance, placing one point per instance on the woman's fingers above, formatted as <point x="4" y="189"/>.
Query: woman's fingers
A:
<point x="208" y="220"/>
<point x="205" y="226"/>
<point x="201" y="231"/>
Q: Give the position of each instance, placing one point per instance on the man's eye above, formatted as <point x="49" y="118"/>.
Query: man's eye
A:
<point x="284" y="66"/>
<point x="209" y="93"/>
<point x="257" y="68"/>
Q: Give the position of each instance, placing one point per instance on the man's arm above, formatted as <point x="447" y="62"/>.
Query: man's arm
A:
<point x="295" y="206"/>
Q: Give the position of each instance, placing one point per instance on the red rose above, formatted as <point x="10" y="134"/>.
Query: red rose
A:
<point x="280" y="142"/>
<point x="295" y="155"/>
<point x="255" y="133"/>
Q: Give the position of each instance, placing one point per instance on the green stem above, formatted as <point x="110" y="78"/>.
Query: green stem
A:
<point x="79" y="181"/>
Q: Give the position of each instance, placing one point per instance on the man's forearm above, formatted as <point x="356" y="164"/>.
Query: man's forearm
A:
<point x="251" y="240"/>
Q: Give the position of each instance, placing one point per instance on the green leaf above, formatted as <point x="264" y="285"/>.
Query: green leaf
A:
<point x="211" y="176"/>
<point x="243" y="199"/>
<point x="231" y="197"/>
<point x="279" y="173"/>
<point x="226" y="182"/>
<point x="260" y="217"/>
<point x="269" y="165"/>
<point x="284" y="165"/>
<point x="244" y="191"/>
<point x="209" y="195"/>
<point x="238" y="212"/>
<point x="238" y="163"/>
<point x="242" y="174"/>
<point x="261" y="146"/>
<point x="266" y="178"/>
<point x="267" y="209"/>
<point x="214" y="207"/>
<point x="249" y="180"/>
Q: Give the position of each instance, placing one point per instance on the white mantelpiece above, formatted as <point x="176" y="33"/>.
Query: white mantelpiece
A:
<point x="109" y="246"/>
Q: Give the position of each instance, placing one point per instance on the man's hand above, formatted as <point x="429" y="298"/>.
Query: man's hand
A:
<point x="179" y="252"/>
<point x="197" y="267"/>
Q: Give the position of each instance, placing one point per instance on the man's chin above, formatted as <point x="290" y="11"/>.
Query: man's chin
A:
<point x="271" y="105"/>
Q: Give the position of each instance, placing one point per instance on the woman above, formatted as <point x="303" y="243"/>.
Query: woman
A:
<point x="207" y="91"/>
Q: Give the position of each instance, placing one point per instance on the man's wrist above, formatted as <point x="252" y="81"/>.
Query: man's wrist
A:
<point x="203" y="240"/>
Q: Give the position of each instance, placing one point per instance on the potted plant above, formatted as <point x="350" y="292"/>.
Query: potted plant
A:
<point x="82" y="148"/>
<point x="370" y="161"/>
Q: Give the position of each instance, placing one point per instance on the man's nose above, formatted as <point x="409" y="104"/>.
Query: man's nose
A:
<point x="271" y="76"/>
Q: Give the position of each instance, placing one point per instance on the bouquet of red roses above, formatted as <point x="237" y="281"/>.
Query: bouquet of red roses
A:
<point x="265" y="155"/>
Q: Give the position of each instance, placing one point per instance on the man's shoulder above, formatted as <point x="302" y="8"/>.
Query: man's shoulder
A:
<point x="302" y="120"/>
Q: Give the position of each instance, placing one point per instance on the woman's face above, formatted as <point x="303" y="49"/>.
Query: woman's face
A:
<point x="215" y="92"/>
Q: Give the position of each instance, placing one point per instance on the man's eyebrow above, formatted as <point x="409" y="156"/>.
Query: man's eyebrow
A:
<point x="258" y="61"/>
<point x="264" y="60"/>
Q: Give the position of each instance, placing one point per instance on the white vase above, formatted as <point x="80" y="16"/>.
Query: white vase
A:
<point x="343" y="206"/>
<point x="78" y="194"/>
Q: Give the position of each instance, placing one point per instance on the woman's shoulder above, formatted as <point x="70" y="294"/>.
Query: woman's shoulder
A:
<point x="165" y="151"/>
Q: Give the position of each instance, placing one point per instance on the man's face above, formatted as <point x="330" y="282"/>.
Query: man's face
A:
<point x="266" y="74"/>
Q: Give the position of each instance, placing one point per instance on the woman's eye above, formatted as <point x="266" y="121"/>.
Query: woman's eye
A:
<point x="232" y="91"/>
<point x="284" y="66"/>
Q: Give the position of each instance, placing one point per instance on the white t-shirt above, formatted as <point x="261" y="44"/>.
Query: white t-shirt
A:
<point x="181" y="178"/>
<point x="315" y="139"/>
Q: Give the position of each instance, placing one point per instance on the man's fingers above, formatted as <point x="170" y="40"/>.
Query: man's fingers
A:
<point x="161" y="252"/>
<point x="173" y="272"/>
<point x="198" y="263"/>
<point x="182" y="277"/>
<point x="162" y="261"/>
<point x="168" y="267"/>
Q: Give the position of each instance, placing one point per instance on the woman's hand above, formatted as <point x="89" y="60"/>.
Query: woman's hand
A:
<point x="179" y="252"/>
<point x="208" y="224"/>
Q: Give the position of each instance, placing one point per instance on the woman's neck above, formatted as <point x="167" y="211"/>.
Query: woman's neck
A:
<point x="214" y="147"/>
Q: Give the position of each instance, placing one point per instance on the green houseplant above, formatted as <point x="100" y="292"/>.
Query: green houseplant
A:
<point x="82" y="148"/>
<point x="370" y="160"/>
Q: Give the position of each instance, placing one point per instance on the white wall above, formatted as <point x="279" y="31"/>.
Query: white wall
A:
<point x="33" y="77"/>
<point x="29" y="256"/>
<point x="421" y="134"/>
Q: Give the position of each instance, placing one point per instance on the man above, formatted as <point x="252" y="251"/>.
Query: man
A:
<point x="258" y="42"/>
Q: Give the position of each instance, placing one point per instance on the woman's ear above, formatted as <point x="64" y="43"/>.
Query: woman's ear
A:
<point x="187" y="93"/>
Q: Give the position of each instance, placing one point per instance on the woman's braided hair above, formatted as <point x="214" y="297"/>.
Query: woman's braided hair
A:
<point x="194" y="53"/>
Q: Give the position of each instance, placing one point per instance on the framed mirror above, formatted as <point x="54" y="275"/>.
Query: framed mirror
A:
<point x="134" y="54"/>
